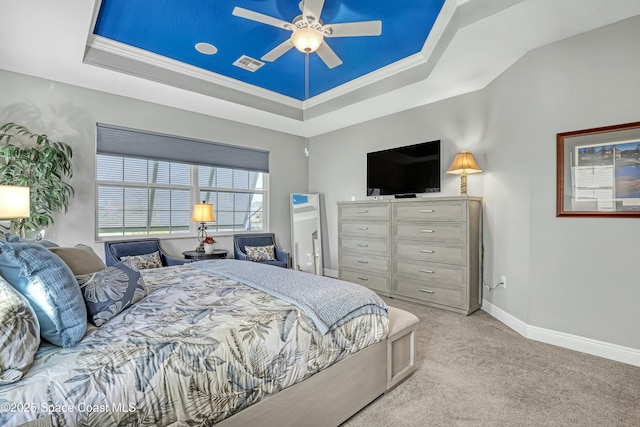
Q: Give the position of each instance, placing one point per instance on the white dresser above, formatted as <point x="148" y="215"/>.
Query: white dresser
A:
<point x="425" y="250"/>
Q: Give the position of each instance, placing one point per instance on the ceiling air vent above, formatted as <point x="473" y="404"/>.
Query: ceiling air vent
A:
<point x="248" y="63"/>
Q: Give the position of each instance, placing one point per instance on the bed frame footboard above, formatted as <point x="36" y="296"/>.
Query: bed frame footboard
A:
<point x="333" y="395"/>
<point x="327" y="398"/>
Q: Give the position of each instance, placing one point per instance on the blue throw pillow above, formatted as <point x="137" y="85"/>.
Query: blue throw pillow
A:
<point x="51" y="289"/>
<point x="109" y="291"/>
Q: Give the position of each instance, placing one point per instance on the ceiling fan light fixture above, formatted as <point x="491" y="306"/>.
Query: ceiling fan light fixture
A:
<point x="307" y="40"/>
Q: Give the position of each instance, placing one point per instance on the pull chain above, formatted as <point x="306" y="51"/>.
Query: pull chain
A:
<point x="306" y="76"/>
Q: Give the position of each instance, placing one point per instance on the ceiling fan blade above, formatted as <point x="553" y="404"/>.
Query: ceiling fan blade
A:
<point x="260" y="17"/>
<point x="311" y="10"/>
<point x="278" y="51"/>
<point x="353" y="29"/>
<point x="328" y="56"/>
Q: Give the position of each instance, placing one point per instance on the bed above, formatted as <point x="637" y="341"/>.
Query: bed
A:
<point x="220" y="342"/>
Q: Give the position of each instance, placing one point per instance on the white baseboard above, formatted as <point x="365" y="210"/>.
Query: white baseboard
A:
<point x="610" y="351"/>
<point x="514" y="323"/>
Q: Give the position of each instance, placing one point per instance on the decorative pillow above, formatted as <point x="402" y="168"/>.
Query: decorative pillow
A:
<point x="81" y="259"/>
<point x="109" y="291"/>
<point x="19" y="334"/>
<point x="51" y="289"/>
<point x="143" y="262"/>
<point x="260" y="253"/>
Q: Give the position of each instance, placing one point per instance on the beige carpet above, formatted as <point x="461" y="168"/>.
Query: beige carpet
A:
<point x="475" y="371"/>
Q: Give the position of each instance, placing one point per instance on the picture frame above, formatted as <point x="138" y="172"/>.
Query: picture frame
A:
<point x="598" y="172"/>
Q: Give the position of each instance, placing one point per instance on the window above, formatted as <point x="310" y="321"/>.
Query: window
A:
<point x="237" y="196"/>
<point x="152" y="197"/>
<point x="140" y="195"/>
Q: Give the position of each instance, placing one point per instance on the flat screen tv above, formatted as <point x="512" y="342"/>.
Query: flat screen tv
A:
<point x="405" y="170"/>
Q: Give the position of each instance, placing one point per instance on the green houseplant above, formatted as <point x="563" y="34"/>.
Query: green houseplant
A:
<point x="34" y="160"/>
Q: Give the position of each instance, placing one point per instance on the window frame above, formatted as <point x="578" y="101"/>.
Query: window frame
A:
<point x="194" y="197"/>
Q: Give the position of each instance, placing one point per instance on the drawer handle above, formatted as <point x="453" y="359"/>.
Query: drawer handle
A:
<point x="427" y="251"/>
<point x="427" y="211"/>
<point x="363" y="245"/>
<point x="427" y="271"/>
<point x="427" y="291"/>
<point x="363" y="228"/>
<point x="427" y="231"/>
<point x="363" y="278"/>
<point x="363" y="211"/>
<point x="363" y="262"/>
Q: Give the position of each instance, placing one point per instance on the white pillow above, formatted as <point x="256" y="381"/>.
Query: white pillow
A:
<point x="146" y="261"/>
<point x="260" y="253"/>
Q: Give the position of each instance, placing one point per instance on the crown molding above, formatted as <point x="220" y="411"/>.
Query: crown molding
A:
<point x="145" y="57"/>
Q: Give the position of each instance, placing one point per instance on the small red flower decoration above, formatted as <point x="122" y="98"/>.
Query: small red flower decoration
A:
<point x="209" y="240"/>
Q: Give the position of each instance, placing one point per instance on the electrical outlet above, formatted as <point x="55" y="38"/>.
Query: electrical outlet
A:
<point x="503" y="281"/>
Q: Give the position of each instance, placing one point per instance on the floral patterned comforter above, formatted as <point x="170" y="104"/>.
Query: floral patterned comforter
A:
<point x="197" y="349"/>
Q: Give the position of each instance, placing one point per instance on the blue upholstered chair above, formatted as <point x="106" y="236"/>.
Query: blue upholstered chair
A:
<point x="240" y="241"/>
<point x="113" y="251"/>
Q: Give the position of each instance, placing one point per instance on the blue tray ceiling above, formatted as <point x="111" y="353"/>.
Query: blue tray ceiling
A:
<point x="172" y="28"/>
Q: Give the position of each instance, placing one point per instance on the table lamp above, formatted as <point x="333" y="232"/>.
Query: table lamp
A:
<point x="464" y="164"/>
<point x="202" y="212"/>
<point x="14" y="202"/>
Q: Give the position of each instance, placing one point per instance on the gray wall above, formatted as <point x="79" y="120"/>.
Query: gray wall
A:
<point x="69" y="113"/>
<point x="577" y="276"/>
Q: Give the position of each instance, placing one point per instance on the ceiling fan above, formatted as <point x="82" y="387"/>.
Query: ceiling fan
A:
<point x="308" y="31"/>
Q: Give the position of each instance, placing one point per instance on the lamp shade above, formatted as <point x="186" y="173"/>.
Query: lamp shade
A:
<point x="203" y="212"/>
<point x="463" y="164"/>
<point x="14" y="202"/>
<point x="307" y="39"/>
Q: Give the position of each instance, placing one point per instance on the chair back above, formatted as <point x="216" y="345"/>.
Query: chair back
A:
<point x="242" y="240"/>
<point x="114" y="251"/>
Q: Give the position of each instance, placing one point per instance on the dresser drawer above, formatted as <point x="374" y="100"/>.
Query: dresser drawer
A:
<point x="431" y="231"/>
<point x="364" y="262"/>
<point x="365" y="229"/>
<point x="442" y="274"/>
<point x="429" y="252"/>
<point x="376" y="282"/>
<point x="449" y="297"/>
<point x="364" y="211"/>
<point x="365" y="246"/>
<point x="426" y="250"/>
<point x="435" y="211"/>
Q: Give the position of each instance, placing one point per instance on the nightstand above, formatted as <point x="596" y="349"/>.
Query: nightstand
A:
<point x="200" y="256"/>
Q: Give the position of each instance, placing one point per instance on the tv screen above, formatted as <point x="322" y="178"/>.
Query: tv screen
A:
<point x="404" y="170"/>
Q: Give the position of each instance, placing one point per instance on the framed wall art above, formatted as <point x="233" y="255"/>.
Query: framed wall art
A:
<point x="598" y="172"/>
